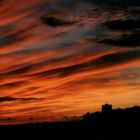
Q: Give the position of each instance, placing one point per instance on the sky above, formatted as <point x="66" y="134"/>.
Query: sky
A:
<point x="65" y="58"/>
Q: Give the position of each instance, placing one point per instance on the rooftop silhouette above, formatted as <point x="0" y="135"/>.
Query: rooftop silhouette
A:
<point x="109" y="124"/>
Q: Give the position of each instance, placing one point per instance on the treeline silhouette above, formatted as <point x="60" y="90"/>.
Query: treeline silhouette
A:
<point x="117" y="124"/>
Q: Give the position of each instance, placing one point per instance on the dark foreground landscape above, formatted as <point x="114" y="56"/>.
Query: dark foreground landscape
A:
<point x="119" y="124"/>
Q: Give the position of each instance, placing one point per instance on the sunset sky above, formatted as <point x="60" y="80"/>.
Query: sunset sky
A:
<point x="67" y="57"/>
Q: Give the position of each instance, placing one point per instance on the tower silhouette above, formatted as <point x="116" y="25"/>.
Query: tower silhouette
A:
<point x="106" y="108"/>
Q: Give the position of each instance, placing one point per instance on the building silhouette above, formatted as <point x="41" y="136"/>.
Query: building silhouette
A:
<point x="106" y="108"/>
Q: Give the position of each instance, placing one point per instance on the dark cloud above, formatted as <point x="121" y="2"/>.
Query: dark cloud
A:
<point x="123" y="25"/>
<point x="20" y="70"/>
<point x="104" y="61"/>
<point x="129" y="33"/>
<point x="134" y="12"/>
<point x="5" y="99"/>
<point x="54" y="22"/>
<point x="8" y="99"/>
<point x="25" y="68"/>
<point x="117" y="58"/>
<point x="115" y="3"/>
<point x="12" y="85"/>
<point x="131" y="40"/>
